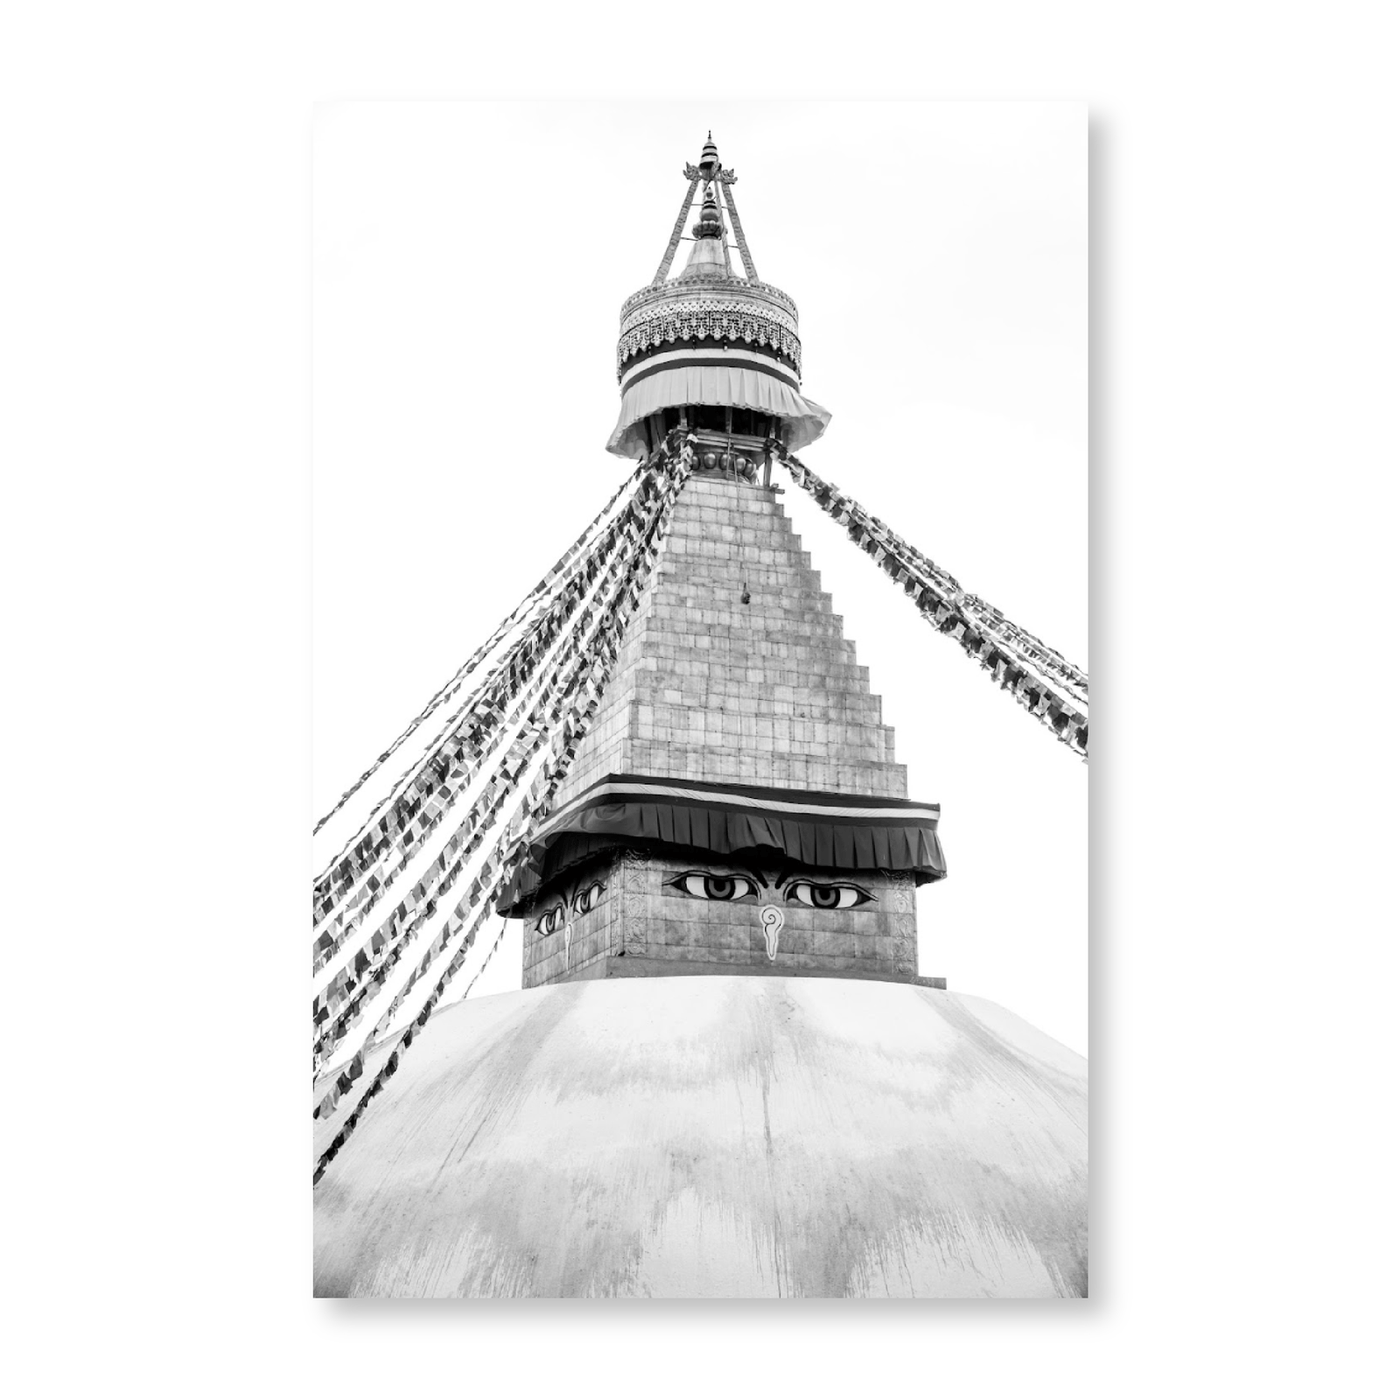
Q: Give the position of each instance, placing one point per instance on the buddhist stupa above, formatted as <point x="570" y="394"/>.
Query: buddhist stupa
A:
<point x="724" y="1075"/>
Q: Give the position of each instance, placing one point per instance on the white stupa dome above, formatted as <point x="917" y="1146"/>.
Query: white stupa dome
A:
<point x="721" y="1137"/>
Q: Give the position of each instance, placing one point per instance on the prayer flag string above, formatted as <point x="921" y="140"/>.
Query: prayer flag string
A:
<point x="422" y="792"/>
<point x="673" y="465"/>
<point x="549" y="581"/>
<point x="337" y="1007"/>
<point x="1038" y="677"/>
<point x="349" y="911"/>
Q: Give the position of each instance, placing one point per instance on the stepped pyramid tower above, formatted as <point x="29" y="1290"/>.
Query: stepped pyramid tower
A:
<point x="723" y="1076"/>
<point x="737" y="795"/>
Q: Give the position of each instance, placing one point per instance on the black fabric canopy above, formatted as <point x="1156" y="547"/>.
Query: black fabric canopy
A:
<point x="823" y="830"/>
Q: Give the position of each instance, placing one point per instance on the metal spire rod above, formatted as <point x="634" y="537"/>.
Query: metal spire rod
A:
<point x="677" y="231"/>
<point x="726" y="183"/>
<point x="724" y="241"/>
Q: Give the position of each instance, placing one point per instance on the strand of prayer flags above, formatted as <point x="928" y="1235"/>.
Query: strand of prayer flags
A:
<point x="542" y="791"/>
<point x="1074" y="681"/>
<point x="372" y="963"/>
<point x="543" y="587"/>
<point x="465" y="763"/>
<point x="422" y="900"/>
<point x="328" y="1105"/>
<point x="1038" y="677"/>
<point x="486" y="961"/>
<point x="583" y="704"/>
<point x="351" y="1014"/>
<point x="347" y="1078"/>
<point x="1069" y="676"/>
<point x="677" y="469"/>
<point x="420" y="802"/>
<point x="364" y="977"/>
<point x="475" y="718"/>
<point x="351" y="912"/>
<point x="351" y="915"/>
<point x="352" y="1072"/>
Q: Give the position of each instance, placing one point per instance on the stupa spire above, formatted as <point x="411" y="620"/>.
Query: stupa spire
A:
<point x="736" y="806"/>
<point x="708" y="348"/>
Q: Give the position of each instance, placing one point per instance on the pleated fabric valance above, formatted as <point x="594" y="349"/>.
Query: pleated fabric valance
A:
<point x="821" y="830"/>
<point x="737" y="385"/>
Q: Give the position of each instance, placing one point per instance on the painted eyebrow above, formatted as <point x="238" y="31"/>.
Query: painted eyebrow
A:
<point x="726" y="873"/>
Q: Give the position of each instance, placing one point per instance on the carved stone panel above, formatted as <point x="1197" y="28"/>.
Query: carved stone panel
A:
<point x="630" y="922"/>
<point x="902" y="921"/>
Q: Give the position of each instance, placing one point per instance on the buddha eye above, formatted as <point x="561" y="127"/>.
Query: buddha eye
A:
<point x="588" y="899"/>
<point x="821" y="895"/>
<point x="552" y="921"/>
<point x="698" y="885"/>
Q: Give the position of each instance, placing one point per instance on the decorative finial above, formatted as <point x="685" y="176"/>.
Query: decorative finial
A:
<point x="710" y="225"/>
<point x="709" y="159"/>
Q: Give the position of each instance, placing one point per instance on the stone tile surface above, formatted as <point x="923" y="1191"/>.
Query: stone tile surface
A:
<point x="707" y="686"/>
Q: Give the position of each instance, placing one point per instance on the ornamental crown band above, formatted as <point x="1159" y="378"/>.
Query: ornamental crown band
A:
<point x="708" y="319"/>
<point x="703" y="301"/>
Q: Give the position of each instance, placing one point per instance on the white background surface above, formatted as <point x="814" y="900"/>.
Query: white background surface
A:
<point x="156" y="350"/>
<point x="468" y="264"/>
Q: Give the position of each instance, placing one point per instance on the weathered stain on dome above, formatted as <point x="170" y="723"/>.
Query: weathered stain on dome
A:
<point x="717" y="1137"/>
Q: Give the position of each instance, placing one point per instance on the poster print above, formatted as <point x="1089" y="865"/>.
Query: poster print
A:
<point x="643" y="963"/>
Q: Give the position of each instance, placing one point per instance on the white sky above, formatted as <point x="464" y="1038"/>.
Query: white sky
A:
<point x="469" y="260"/>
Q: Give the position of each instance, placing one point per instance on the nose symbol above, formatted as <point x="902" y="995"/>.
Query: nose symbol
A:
<point x="772" y="918"/>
